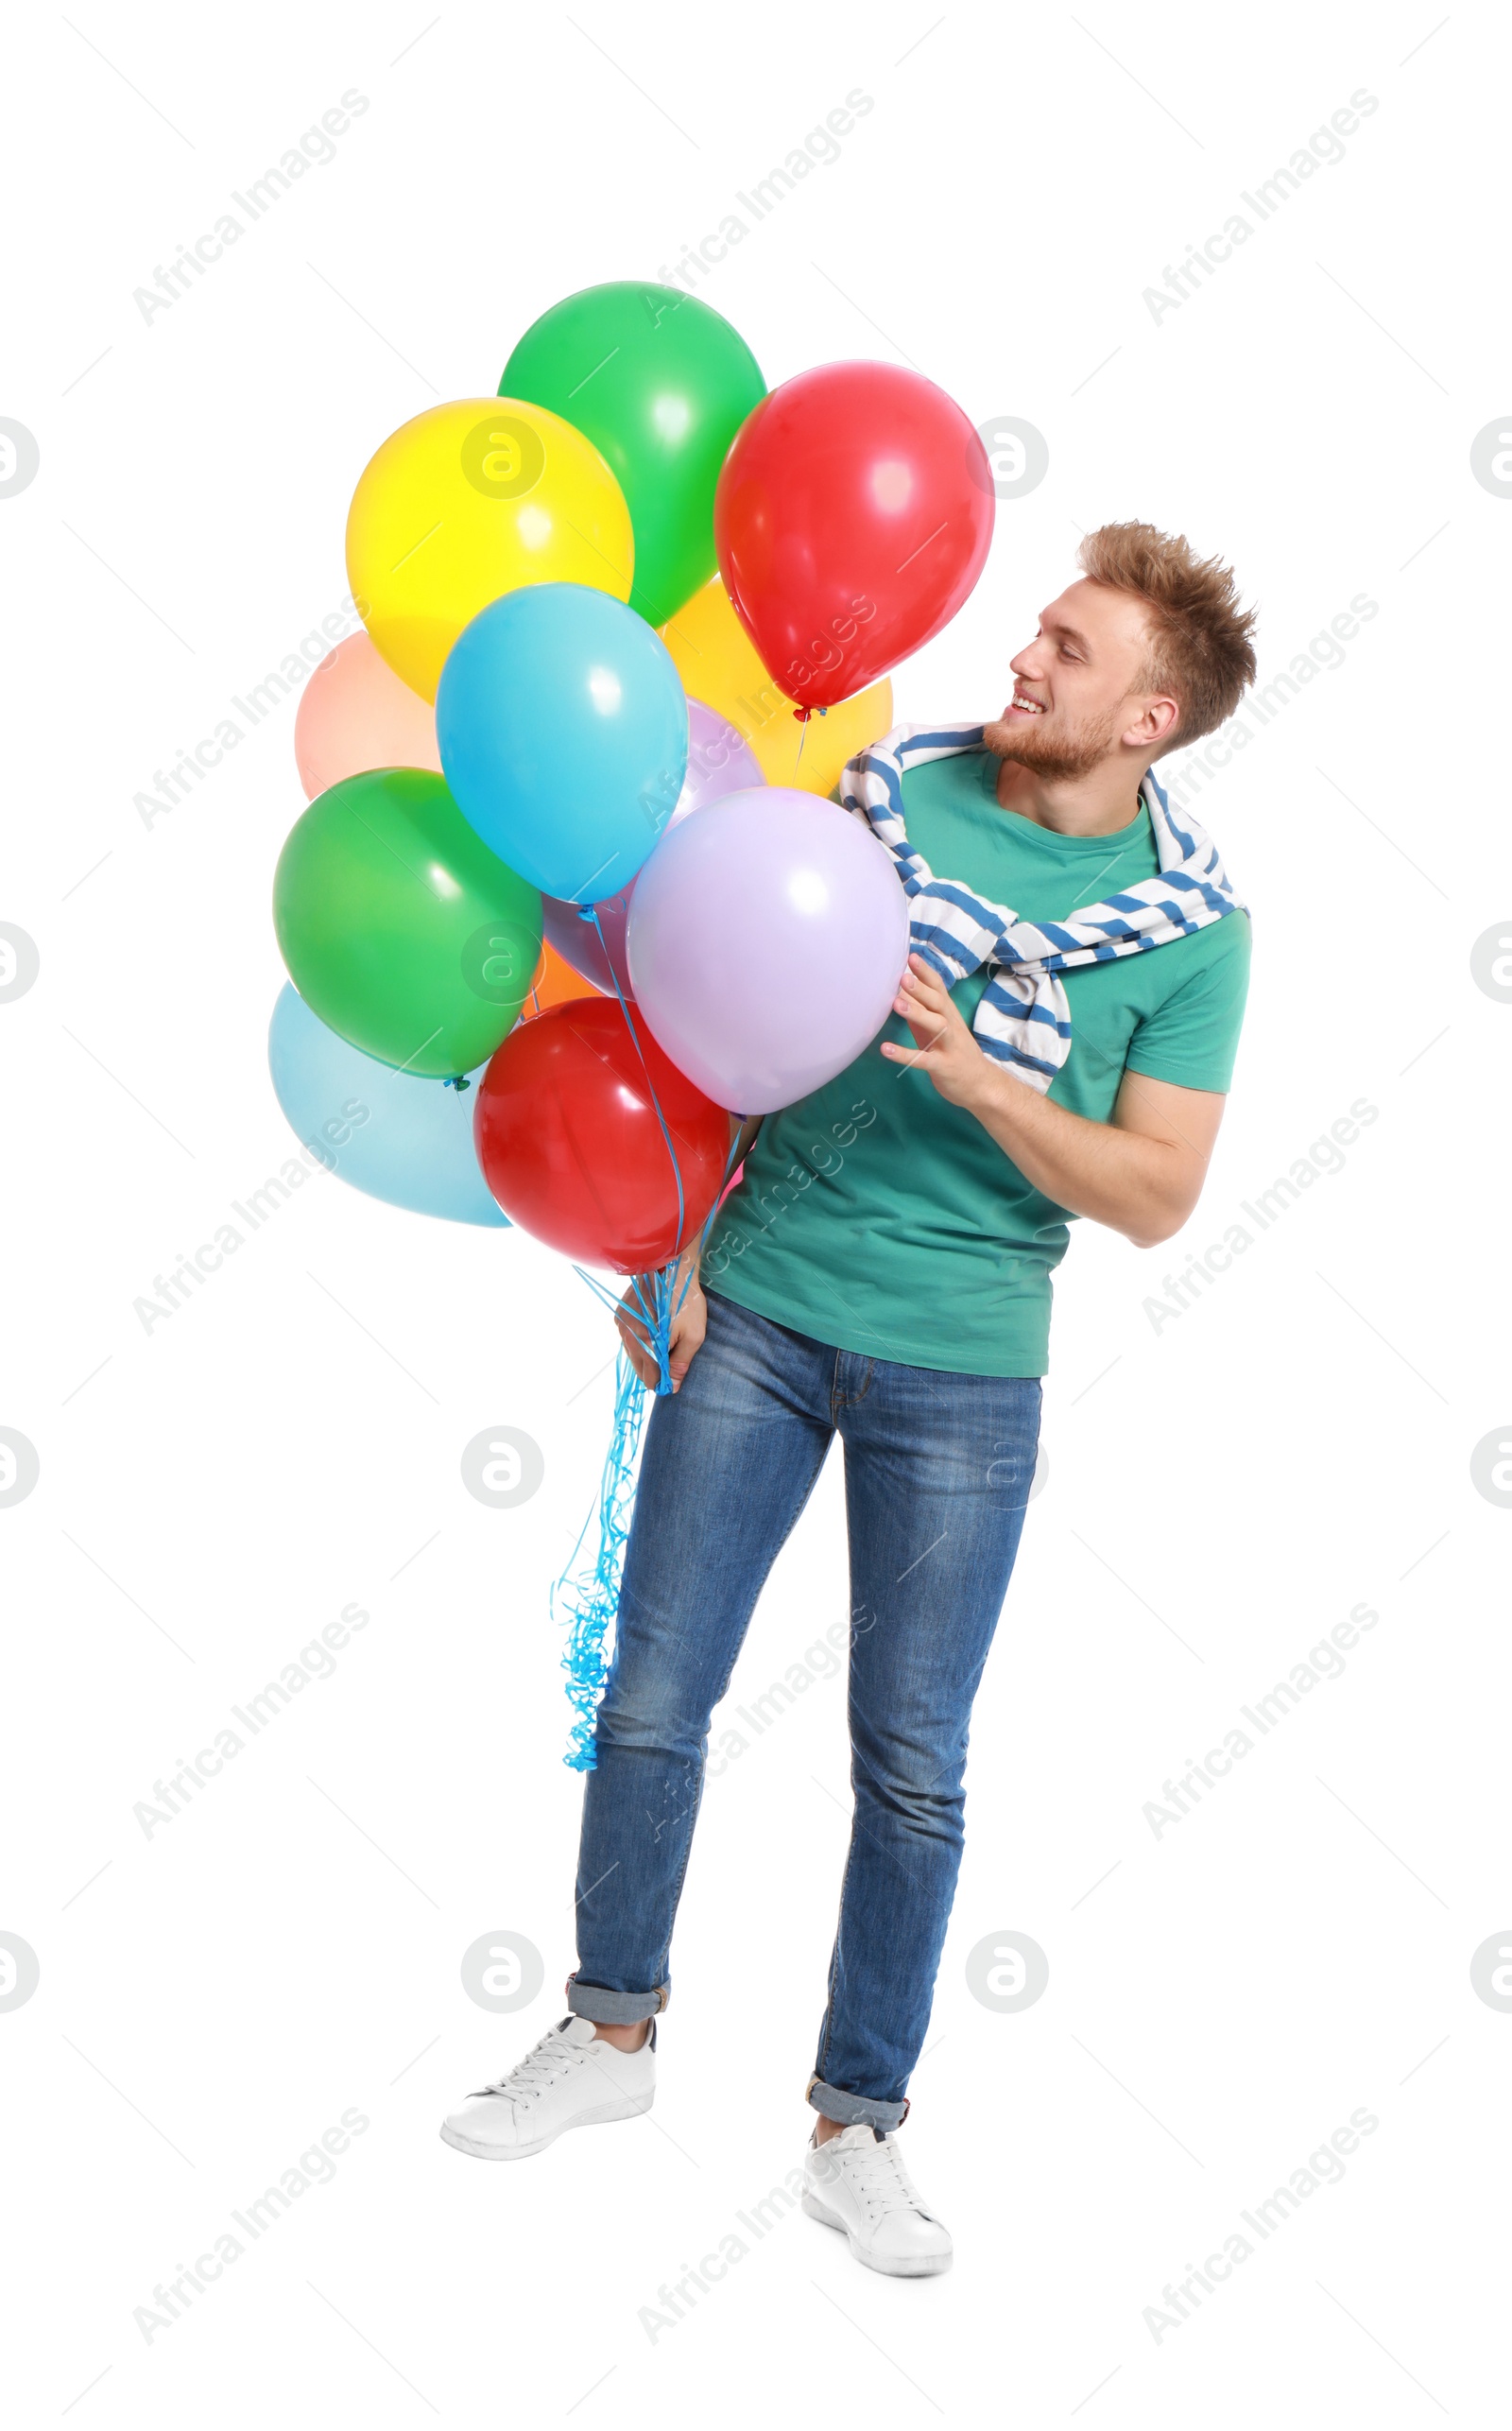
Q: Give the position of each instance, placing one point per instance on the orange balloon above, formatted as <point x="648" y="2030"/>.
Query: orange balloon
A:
<point x="555" y="983"/>
<point x="716" y="658"/>
<point x="357" y="715"/>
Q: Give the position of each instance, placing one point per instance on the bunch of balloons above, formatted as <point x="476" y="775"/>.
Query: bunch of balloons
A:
<point x="569" y="891"/>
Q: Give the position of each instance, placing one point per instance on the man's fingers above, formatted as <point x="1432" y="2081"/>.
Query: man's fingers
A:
<point x="934" y="1003"/>
<point x="633" y="1333"/>
<point x="918" y="1013"/>
<point x="642" y="1361"/>
<point x="927" y="1029"/>
<point x="918" y="975"/>
<point x="685" y="1333"/>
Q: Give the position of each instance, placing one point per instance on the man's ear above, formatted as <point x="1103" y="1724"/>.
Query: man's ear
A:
<point x="1155" y="724"/>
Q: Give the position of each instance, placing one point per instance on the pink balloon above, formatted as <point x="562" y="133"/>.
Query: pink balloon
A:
<point x="766" y="939"/>
<point x="720" y="762"/>
<point x="357" y="715"/>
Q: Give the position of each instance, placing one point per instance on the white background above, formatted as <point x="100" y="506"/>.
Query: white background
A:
<point x="1221" y="1491"/>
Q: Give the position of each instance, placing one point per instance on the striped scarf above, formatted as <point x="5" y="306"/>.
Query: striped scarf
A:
<point x="1023" y="1018"/>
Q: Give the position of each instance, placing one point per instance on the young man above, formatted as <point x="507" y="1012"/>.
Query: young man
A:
<point x="883" y="1273"/>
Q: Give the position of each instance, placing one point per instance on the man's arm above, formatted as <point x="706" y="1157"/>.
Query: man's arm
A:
<point x="1141" y="1174"/>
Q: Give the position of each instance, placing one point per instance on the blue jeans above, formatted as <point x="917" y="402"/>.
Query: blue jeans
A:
<point x="937" y="1471"/>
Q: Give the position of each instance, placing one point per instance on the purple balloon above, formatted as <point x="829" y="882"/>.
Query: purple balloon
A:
<point x="720" y="762"/>
<point x="766" y="940"/>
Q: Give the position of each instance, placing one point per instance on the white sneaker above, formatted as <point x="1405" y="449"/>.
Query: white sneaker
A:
<point x="570" y="2079"/>
<point x="857" y="2183"/>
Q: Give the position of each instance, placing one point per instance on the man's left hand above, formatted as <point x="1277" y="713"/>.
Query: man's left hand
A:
<point x="1140" y="1173"/>
<point x="943" y="1046"/>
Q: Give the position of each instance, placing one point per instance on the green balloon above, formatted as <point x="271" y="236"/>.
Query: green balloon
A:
<point x="661" y="385"/>
<point x="400" y="928"/>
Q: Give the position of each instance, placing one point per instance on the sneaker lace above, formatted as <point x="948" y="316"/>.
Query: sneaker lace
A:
<point x="882" y="2180"/>
<point x="551" y="2058"/>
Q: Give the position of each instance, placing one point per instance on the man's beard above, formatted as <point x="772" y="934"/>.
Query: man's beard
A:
<point x="1075" y="753"/>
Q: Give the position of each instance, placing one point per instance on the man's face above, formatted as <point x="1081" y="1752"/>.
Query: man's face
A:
<point x="1076" y="696"/>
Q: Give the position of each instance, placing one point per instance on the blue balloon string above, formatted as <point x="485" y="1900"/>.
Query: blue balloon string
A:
<point x="590" y="1591"/>
<point x="659" y="1317"/>
<point x="590" y="1595"/>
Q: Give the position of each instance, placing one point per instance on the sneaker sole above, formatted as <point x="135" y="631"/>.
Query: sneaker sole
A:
<point x="923" y="2266"/>
<point x="599" y="2117"/>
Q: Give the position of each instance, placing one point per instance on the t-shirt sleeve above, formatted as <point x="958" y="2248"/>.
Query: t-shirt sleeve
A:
<point x="1191" y="1039"/>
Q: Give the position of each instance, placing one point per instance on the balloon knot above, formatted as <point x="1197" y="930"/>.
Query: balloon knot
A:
<point x="803" y="716"/>
<point x="459" y="1083"/>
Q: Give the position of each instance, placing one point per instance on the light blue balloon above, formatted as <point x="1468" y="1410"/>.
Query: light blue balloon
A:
<point x="398" y="1138"/>
<point x="564" y="730"/>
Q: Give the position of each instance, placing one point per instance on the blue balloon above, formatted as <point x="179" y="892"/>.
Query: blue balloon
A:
<point x="405" y="1140"/>
<point x="564" y="730"/>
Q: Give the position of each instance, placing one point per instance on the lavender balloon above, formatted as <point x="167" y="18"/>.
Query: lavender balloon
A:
<point x="766" y="940"/>
<point x="720" y="762"/>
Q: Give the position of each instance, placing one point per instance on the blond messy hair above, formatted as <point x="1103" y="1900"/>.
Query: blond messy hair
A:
<point x="1201" y="644"/>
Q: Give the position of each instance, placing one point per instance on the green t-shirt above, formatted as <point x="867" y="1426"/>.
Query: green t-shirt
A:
<point x="874" y="1216"/>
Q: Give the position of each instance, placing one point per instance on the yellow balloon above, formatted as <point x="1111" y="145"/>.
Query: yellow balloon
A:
<point x="466" y="502"/>
<point x="718" y="664"/>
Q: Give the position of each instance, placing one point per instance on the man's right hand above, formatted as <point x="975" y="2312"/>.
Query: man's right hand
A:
<point x="689" y="1318"/>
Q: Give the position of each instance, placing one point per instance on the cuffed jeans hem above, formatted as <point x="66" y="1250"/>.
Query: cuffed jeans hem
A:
<point x="614" y="2008"/>
<point x="853" y="2110"/>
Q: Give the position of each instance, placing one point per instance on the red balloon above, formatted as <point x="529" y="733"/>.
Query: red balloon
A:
<point x="852" y="517"/>
<point x="567" y="1135"/>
